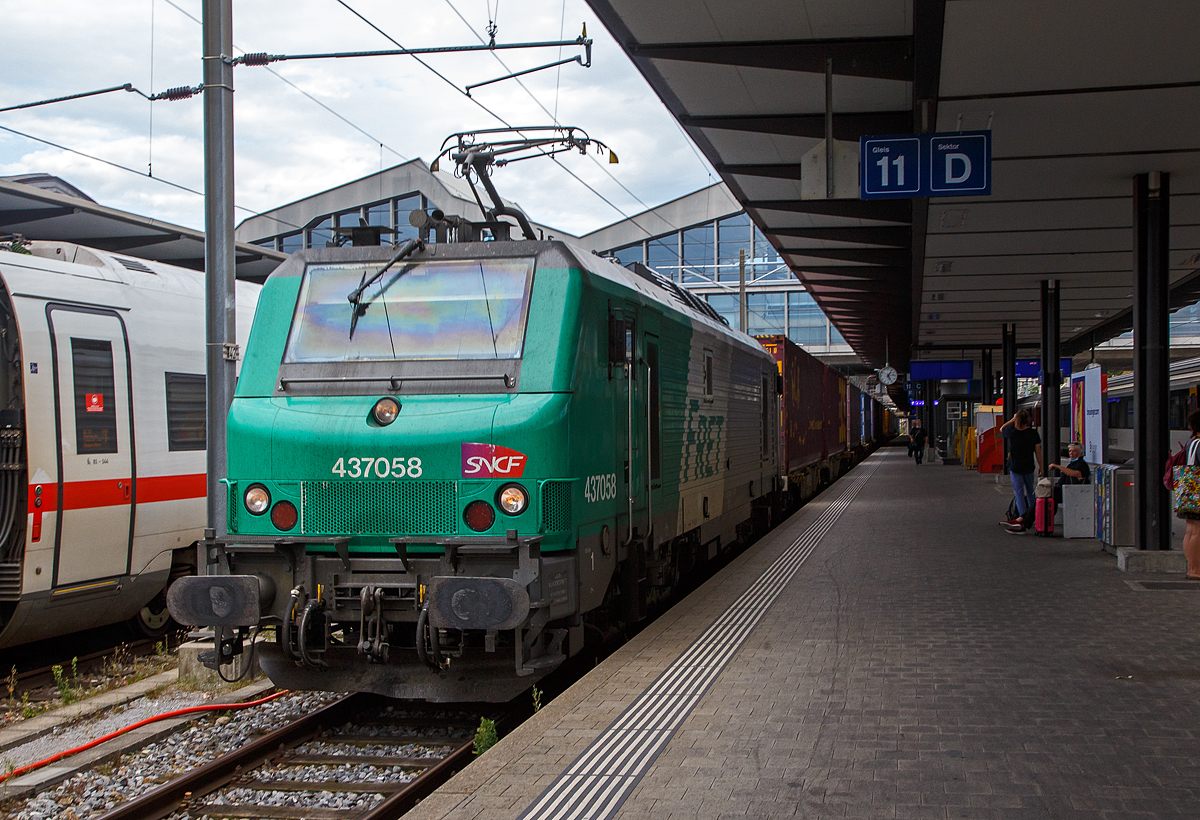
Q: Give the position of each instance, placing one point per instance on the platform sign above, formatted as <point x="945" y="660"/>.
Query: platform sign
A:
<point x="959" y="164"/>
<point x="1032" y="368"/>
<point x="890" y="166"/>
<point x="897" y="166"/>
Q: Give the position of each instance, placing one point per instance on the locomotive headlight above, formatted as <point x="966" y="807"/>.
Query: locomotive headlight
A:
<point x="257" y="499"/>
<point x="385" y="411"/>
<point x="513" y="499"/>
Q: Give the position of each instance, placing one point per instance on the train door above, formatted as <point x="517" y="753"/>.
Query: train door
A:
<point x="639" y="442"/>
<point x="92" y="406"/>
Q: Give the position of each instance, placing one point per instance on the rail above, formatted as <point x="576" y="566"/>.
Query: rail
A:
<point x="188" y="793"/>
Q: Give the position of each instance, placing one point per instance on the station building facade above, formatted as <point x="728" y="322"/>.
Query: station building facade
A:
<point x="698" y="240"/>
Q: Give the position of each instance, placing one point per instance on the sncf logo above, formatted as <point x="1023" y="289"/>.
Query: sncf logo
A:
<point x="491" y="461"/>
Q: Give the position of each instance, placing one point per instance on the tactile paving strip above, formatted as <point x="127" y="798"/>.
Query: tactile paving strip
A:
<point x="595" y="785"/>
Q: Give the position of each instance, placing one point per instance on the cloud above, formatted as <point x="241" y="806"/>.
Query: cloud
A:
<point x="288" y="146"/>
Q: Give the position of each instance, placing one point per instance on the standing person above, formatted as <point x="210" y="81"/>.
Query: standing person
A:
<point x="1024" y="467"/>
<point x="917" y="445"/>
<point x="1191" y="536"/>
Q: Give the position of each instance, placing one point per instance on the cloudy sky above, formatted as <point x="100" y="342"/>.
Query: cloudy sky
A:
<point x="305" y="126"/>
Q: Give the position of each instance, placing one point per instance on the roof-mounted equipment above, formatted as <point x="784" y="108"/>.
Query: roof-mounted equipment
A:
<point x="475" y="152"/>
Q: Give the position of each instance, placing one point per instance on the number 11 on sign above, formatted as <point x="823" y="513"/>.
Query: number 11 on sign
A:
<point x="883" y="170"/>
<point x="889" y="166"/>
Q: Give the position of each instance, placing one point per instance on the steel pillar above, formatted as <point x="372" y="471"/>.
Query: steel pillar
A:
<point x="220" y="326"/>
<point x="1051" y="372"/>
<point x="1151" y="345"/>
<point x="1009" y="366"/>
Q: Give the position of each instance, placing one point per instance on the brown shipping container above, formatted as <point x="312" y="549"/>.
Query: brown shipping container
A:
<point x="834" y="417"/>
<point x="854" y="416"/>
<point x="803" y="439"/>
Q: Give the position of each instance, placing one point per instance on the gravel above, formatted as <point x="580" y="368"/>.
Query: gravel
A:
<point x="344" y="773"/>
<point x="328" y="800"/>
<point x="91" y="793"/>
<point x="330" y="746"/>
<point x="69" y="735"/>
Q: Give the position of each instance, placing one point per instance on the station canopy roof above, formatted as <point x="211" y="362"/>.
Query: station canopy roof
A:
<point x="38" y="206"/>
<point x="1080" y="95"/>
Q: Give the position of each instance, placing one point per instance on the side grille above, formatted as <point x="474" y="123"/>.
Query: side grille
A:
<point x="10" y="582"/>
<point x="234" y="503"/>
<point x="133" y="264"/>
<point x="556" y="506"/>
<point x="378" y="507"/>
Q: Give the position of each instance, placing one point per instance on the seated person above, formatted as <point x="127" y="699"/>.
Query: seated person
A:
<point x="1076" y="471"/>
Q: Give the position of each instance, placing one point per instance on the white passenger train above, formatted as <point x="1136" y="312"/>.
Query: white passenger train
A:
<point x="1183" y="398"/>
<point x="102" y="410"/>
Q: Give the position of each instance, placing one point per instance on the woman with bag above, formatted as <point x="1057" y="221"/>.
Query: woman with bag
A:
<point x="1187" y="499"/>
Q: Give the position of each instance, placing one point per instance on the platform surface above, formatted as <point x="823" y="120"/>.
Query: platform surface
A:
<point x="917" y="662"/>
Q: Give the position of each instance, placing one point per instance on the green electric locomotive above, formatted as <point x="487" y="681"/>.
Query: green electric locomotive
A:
<point x="449" y="461"/>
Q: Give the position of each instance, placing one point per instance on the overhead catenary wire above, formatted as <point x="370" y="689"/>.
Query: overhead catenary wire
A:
<point x="186" y="92"/>
<point x="562" y="26"/>
<point x="554" y="118"/>
<point x="301" y="91"/>
<point x="120" y="167"/>
<point x="256" y="59"/>
<point x="493" y="114"/>
<point x="79" y="96"/>
<point x="171" y="94"/>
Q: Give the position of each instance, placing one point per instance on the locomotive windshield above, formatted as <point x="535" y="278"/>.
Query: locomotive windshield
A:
<point x="472" y="309"/>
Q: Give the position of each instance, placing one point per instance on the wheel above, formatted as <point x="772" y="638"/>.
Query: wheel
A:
<point x="153" y="620"/>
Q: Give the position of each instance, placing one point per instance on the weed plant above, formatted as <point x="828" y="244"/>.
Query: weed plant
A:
<point x="485" y="736"/>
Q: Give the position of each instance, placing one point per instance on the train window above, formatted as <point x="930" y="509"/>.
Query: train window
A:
<point x="708" y="374"/>
<point x="655" y="412"/>
<point x="185" y="411"/>
<point x="1120" y="413"/>
<point x="95" y="396"/>
<point x="620" y="338"/>
<point x="1177" y="409"/>
<point x="448" y="310"/>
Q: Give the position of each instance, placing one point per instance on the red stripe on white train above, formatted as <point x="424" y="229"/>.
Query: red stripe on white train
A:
<point x="112" y="492"/>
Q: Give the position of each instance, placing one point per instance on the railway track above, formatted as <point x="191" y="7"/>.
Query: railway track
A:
<point x="357" y="733"/>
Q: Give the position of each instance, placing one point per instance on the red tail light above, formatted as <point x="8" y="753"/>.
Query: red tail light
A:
<point x="479" y="516"/>
<point x="284" y="515"/>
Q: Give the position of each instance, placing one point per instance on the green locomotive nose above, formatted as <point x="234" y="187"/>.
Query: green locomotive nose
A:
<point x="453" y="462"/>
<point x="427" y="474"/>
<point x="400" y="459"/>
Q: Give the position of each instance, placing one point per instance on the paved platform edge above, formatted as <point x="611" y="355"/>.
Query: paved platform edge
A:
<point x="717" y="591"/>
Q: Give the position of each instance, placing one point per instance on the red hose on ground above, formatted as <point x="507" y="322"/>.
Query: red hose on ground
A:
<point x="212" y="707"/>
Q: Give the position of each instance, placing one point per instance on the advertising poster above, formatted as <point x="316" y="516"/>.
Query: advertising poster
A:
<point x="1087" y="405"/>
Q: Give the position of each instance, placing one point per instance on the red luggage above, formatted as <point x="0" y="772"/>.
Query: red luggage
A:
<point x="1043" y="518"/>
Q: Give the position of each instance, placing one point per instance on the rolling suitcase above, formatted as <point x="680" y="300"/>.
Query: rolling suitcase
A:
<point x="1043" y="519"/>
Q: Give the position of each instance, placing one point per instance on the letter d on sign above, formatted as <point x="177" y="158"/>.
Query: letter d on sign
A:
<point x="953" y="178"/>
